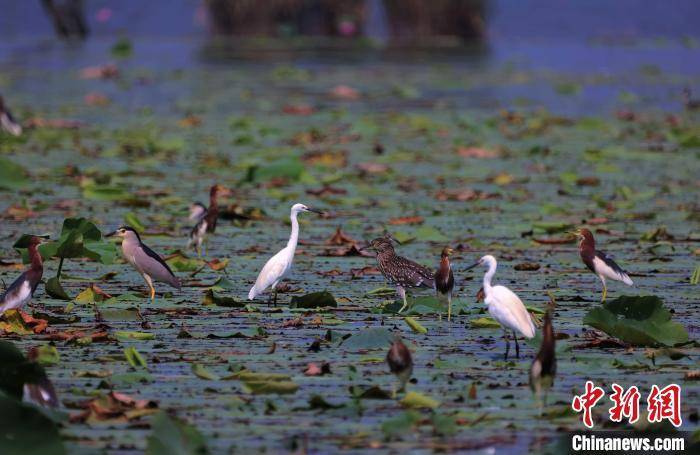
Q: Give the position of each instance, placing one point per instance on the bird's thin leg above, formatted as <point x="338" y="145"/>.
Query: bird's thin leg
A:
<point x="517" y="348"/>
<point x="505" y="336"/>
<point x="149" y="281"/>
<point x="605" y="289"/>
<point x="275" y="299"/>
<point x="98" y="316"/>
<point x="449" y="307"/>
<point x="402" y="293"/>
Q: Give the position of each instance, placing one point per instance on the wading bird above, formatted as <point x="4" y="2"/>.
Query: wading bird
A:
<point x="598" y="262"/>
<point x="445" y="280"/>
<point x="7" y="122"/>
<point x="401" y="272"/>
<point x="279" y="265"/>
<point x="23" y="288"/>
<point x="146" y="261"/>
<point x="505" y="307"/>
<point x="400" y="362"/>
<point x="544" y="367"/>
<point x="206" y="217"/>
<point x="688" y="101"/>
<point x="24" y="378"/>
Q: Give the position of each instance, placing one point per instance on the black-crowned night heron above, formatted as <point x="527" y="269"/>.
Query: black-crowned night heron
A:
<point x="401" y="272"/>
<point x="146" y="261"/>
<point x="598" y="262"/>
<point x="278" y="266"/>
<point x="544" y="367"/>
<point x="445" y="280"/>
<point x="505" y="307"/>
<point x="206" y="217"/>
<point x="400" y="362"/>
<point x="7" y="121"/>
<point x="22" y="289"/>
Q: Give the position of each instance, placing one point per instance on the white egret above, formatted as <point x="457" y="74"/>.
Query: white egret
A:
<point x="279" y="265"/>
<point x="505" y="307"/>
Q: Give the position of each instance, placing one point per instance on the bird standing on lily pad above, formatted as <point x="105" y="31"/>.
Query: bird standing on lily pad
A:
<point x="445" y="280"/>
<point x="146" y="261"/>
<point x="22" y="289"/>
<point x="401" y="272"/>
<point x="206" y="217"/>
<point x="279" y="265"/>
<point x="505" y="307"/>
<point x="598" y="262"/>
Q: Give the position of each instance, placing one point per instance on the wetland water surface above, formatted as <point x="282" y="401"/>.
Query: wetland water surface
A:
<point x="424" y="149"/>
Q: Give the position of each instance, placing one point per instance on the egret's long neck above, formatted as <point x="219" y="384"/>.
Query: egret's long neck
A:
<point x="488" y="276"/>
<point x="294" y="237"/>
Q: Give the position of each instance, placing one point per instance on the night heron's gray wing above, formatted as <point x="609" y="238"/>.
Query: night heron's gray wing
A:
<point x="19" y="293"/>
<point x="407" y="273"/>
<point x="155" y="267"/>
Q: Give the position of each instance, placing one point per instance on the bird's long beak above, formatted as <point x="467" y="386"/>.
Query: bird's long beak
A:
<point x="319" y="212"/>
<point x="473" y="265"/>
<point x="111" y="234"/>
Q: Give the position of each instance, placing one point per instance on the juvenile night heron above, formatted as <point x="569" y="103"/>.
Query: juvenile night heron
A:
<point x="206" y="217"/>
<point x="7" y="122"/>
<point x="400" y="362"/>
<point x="401" y="272"/>
<point x="146" y="261"/>
<point x="544" y="367"/>
<point x="505" y="307"/>
<point x="279" y="265"/>
<point x="23" y="288"/>
<point x="598" y="262"/>
<point x="445" y="280"/>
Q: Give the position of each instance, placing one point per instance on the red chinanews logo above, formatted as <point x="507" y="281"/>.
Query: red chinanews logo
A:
<point x="662" y="404"/>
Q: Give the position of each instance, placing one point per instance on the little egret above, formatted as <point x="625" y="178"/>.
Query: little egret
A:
<point x="279" y="265"/>
<point x="23" y="288"/>
<point x="146" y="261"/>
<point x="445" y="280"/>
<point x="598" y="262"/>
<point x="504" y="306"/>
<point x="7" y="122"/>
<point x="544" y="367"/>
<point x="206" y="217"/>
<point x="401" y="272"/>
<point x="400" y="362"/>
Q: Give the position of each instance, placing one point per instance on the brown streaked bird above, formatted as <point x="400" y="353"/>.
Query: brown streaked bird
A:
<point x="22" y="289"/>
<point x="206" y="217"/>
<point x="445" y="280"/>
<point x="7" y="121"/>
<point x="544" y="367"/>
<point x="400" y="362"/>
<point x="598" y="262"/>
<point x="401" y="272"/>
<point x="146" y="261"/>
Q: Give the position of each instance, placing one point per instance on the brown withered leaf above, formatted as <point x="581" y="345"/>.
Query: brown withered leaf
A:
<point x="217" y="264"/>
<point x="113" y="408"/>
<point x="333" y="272"/>
<point x="191" y="121"/>
<point x="96" y="99"/>
<point x="476" y="152"/>
<point x="59" y="124"/>
<point x="326" y="190"/>
<point x="344" y="92"/>
<point x="352" y="250"/>
<point x="327" y="158"/>
<point x="298" y="109"/>
<point x="360" y="272"/>
<point x="372" y="168"/>
<point x="407" y="220"/>
<point x="528" y="266"/>
<point x="296" y="322"/>
<point x="556" y="240"/>
<point x="464" y="194"/>
<point x="340" y="238"/>
<point x="72" y="335"/>
<point x="19" y="213"/>
<point x="588" y="181"/>
<point x="692" y="375"/>
<point x="108" y="71"/>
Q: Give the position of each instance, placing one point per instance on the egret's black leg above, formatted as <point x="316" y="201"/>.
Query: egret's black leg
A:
<point x="505" y="336"/>
<point x="517" y="348"/>
<point x="275" y="304"/>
